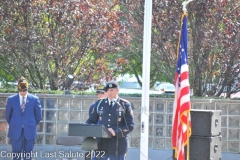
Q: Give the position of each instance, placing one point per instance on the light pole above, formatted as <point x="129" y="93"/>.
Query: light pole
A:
<point x="68" y="83"/>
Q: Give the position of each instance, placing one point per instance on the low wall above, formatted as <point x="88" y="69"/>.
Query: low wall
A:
<point x="59" y="110"/>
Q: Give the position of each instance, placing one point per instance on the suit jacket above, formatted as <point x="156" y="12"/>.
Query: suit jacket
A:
<point x="28" y="119"/>
<point x="119" y="118"/>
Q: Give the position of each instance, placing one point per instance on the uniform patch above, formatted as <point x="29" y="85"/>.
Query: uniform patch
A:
<point x="131" y="112"/>
<point x="125" y="130"/>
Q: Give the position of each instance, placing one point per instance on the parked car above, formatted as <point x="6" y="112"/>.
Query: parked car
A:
<point x="133" y="88"/>
<point x="165" y="88"/>
<point x="10" y="84"/>
<point x="78" y="85"/>
<point x="128" y="84"/>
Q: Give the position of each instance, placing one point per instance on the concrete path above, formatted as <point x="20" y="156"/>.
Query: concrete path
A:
<point x="64" y="152"/>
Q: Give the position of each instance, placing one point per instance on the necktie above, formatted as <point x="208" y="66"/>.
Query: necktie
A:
<point x="111" y="104"/>
<point x="23" y="104"/>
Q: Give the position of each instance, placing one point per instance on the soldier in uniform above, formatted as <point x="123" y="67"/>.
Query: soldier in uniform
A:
<point x="116" y="115"/>
<point x="100" y="94"/>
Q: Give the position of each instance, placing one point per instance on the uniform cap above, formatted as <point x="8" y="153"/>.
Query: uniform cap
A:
<point x="101" y="88"/>
<point x="22" y="83"/>
<point x="111" y="84"/>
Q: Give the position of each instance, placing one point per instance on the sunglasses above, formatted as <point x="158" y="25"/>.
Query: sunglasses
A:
<point x="22" y="90"/>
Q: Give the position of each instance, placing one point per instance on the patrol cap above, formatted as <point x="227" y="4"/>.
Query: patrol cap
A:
<point x="101" y="88"/>
<point x="111" y="84"/>
<point x="22" y="84"/>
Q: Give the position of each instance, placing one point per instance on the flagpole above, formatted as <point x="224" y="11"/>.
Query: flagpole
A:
<point x="146" y="79"/>
<point x="184" y="4"/>
<point x="181" y="129"/>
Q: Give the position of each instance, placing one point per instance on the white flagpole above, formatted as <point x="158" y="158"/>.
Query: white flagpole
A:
<point x="146" y="80"/>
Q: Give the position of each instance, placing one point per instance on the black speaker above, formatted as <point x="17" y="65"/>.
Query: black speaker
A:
<point x="205" y="148"/>
<point x="206" y="122"/>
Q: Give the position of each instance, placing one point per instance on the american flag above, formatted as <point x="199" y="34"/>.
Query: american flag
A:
<point x="181" y="129"/>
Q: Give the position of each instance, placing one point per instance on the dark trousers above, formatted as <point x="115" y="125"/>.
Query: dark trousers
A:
<point x="22" y="148"/>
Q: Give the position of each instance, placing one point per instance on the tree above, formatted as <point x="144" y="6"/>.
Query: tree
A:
<point x="48" y="39"/>
<point x="213" y="43"/>
<point x="134" y="53"/>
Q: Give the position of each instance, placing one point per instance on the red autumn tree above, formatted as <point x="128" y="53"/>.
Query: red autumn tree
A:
<point x="49" y="39"/>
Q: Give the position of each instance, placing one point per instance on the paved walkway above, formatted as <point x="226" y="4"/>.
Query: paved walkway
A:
<point x="64" y="152"/>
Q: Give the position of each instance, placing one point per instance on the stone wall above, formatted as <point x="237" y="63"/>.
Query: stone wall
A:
<point x="59" y="110"/>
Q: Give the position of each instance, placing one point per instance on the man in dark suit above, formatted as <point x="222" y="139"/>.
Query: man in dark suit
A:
<point x="115" y="114"/>
<point x="23" y="113"/>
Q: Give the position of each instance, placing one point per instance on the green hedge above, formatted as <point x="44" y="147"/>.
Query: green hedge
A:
<point x="39" y="91"/>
